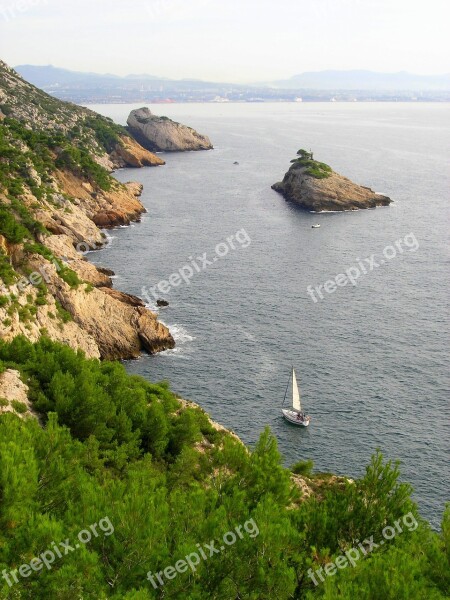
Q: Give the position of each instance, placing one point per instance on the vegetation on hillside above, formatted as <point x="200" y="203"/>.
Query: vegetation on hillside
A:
<point x="40" y="111"/>
<point x="39" y="134"/>
<point x="116" y="446"/>
<point x="107" y="133"/>
<point x="28" y="160"/>
<point x="316" y="169"/>
<point x="49" y="150"/>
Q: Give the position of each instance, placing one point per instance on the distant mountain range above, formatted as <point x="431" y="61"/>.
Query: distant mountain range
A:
<point x="365" y="80"/>
<point x="321" y="85"/>
<point x="50" y="76"/>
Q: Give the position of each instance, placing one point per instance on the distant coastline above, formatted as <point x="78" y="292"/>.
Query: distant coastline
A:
<point x="320" y="86"/>
<point x="313" y="100"/>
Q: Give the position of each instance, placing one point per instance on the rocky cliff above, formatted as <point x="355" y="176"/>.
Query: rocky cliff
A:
<point x="109" y="144"/>
<point x="55" y="194"/>
<point x="316" y="187"/>
<point x="160" y="133"/>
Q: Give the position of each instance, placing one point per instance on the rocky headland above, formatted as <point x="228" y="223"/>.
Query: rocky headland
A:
<point x="314" y="186"/>
<point x="56" y="192"/>
<point x="162" y="134"/>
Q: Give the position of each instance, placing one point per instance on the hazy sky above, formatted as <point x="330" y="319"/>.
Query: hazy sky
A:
<point x="227" y="40"/>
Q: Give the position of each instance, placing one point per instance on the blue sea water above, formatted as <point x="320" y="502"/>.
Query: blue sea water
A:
<point x="371" y="358"/>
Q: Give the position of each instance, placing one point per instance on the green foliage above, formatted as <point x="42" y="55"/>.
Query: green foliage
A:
<point x="63" y="314"/>
<point x="26" y="312"/>
<point x="330" y="524"/>
<point x="106" y="131"/>
<point x="316" y="169"/>
<point x="6" y="110"/>
<point x="413" y="569"/>
<point x="7" y="273"/>
<point x="70" y="277"/>
<point x="79" y="161"/>
<point x="115" y="445"/>
<point x="15" y="164"/>
<point x="302" y="153"/>
<point x="11" y="228"/>
<point x="41" y="298"/>
<point x="45" y="150"/>
<point x="26" y="218"/>
<point x="37" y="248"/>
<point x="19" y="407"/>
<point x="303" y="467"/>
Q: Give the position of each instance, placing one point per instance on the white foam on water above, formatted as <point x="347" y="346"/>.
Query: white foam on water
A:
<point x="179" y="333"/>
<point x="182" y="339"/>
<point x="152" y="306"/>
<point x="332" y="212"/>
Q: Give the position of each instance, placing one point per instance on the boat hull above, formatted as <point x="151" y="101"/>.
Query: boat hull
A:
<point x="292" y="417"/>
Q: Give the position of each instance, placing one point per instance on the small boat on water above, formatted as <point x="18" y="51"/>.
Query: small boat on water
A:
<point x="295" y="415"/>
<point x="315" y="226"/>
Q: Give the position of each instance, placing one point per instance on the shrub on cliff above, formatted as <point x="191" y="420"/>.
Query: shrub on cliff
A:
<point x="106" y="131"/>
<point x="7" y="273"/>
<point x="79" y="161"/>
<point x="13" y="231"/>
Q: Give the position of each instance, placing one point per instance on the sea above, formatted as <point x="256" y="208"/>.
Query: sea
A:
<point x="240" y="268"/>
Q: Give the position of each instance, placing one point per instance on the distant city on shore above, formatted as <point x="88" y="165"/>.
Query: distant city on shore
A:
<point x="319" y="86"/>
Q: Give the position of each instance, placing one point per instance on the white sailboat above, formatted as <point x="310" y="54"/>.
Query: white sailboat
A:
<point x="295" y="415"/>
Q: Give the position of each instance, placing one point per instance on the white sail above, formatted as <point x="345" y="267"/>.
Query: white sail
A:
<point x="295" y="393"/>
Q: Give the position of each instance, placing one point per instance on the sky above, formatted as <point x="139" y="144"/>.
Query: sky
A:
<point x="227" y="40"/>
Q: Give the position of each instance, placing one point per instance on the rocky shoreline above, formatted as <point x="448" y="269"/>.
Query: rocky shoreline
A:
<point x="54" y="200"/>
<point x="104" y="323"/>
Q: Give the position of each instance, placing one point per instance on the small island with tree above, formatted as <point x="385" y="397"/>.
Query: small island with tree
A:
<point x="314" y="185"/>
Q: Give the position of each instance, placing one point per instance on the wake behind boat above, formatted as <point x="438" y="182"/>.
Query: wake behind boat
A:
<point x="295" y="414"/>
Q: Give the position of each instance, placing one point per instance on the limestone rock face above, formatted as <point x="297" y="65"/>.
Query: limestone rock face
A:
<point x="331" y="193"/>
<point x="118" y="206"/>
<point x="160" y="133"/>
<point x="131" y="154"/>
<point x="49" y="288"/>
<point x="45" y="321"/>
<point x="62" y="246"/>
<point x="12" y="388"/>
<point x="119" y="328"/>
<point x="104" y="323"/>
<point x="123" y="297"/>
